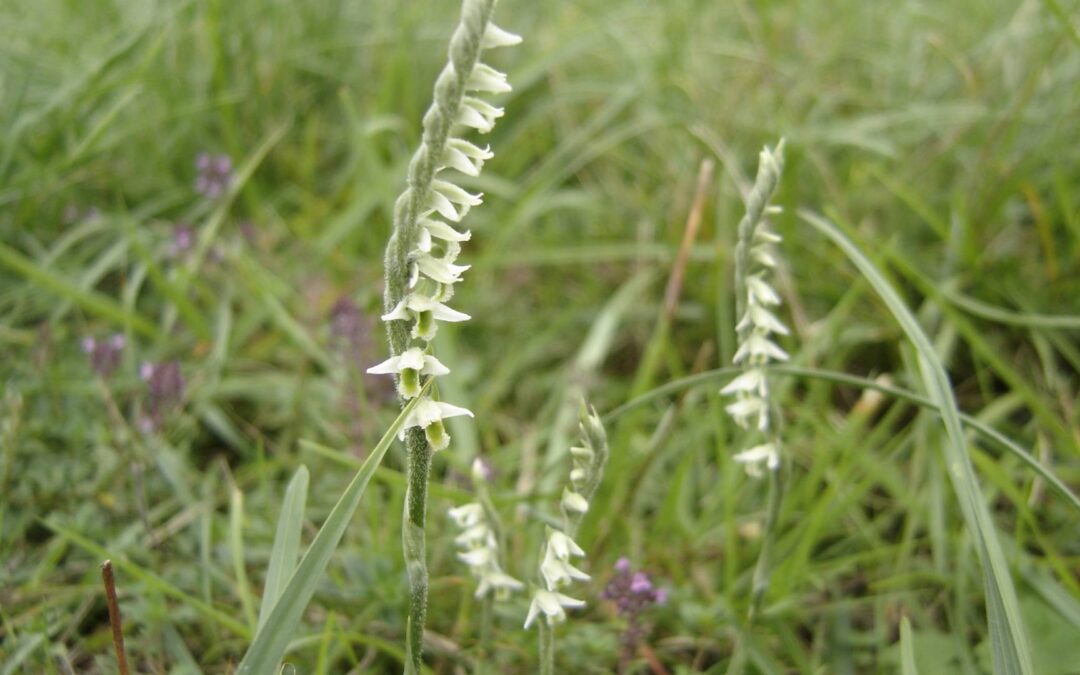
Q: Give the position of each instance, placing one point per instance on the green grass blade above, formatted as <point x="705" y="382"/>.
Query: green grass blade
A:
<point x="153" y="581"/>
<point x="898" y="393"/>
<point x="907" y="649"/>
<point x="271" y="640"/>
<point x="286" y="549"/>
<point x="1007" y="636"/>
<point x="90" y="301"/>
<point x="236" y="546"/>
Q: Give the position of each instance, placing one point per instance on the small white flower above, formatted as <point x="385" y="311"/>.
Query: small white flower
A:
<point x="753" y="458"/>
<point x="492" y="578"/>
<point x="465" y="157"/>
<point x="409" y="366"/>
<point x="478" y="114"/>
<point x="486" y="79"/>
<point x="760" y="291"/>
<point x="745" y="408"/>
<point x="450" y="201"/>
<point x="467" y="515"/>
<point x="441" y="270"/>
<point x="752" y="381"/>
<point x="556" y="567"/>
<point x="477" y="535"/>
<point x="563" y="546"/>
<point x="551" y="605"/>
<point x="763" y="235"/>
<point x="497" y="37"/>
<point x="428" y="415"/>
<point x="763" y="256"/>
<point x="574" y="502"/>
<point x="582" y="454"/>
<point x="424" y="311"/>
<point x="477" y="557"/>
<point x="557" y="570"/>
<point x="436" y="229"/>
<point x="759" y="346"/>
<point x="758" y="317"/>
<point x="428" y="412"/>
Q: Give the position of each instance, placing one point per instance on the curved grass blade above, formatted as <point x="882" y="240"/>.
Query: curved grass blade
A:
<point x="1012" y="654"/>
<point x="898" y="393"/>
<point x="286" y="548"/>
<point x="272" y="638"/>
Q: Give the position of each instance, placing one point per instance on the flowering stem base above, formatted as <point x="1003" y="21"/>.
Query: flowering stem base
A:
<point x="412" y="540"/>
<point x="763" y="568"/>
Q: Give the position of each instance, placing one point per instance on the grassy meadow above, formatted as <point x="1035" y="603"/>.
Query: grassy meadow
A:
<point x="195" y="197"/>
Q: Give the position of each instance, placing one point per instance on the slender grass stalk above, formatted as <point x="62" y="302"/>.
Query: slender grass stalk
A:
<point x="420" y="272"/>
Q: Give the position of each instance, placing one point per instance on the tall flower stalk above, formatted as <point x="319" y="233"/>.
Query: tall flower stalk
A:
<point x="755" y="258"/>
<point x="421" y="270"/>
<point x="556" y="568"/>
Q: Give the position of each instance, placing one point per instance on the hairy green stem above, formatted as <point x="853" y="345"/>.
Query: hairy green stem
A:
<point x="412" y="541"/>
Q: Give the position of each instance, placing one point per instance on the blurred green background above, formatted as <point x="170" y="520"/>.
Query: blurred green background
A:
<point x="941" y="135"/>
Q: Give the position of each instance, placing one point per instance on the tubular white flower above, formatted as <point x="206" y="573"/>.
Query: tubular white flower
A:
<point x="551" y="605"/>
<point x="440" y="269"/>
<point x="556" y="568"/>
<point x="563" y="546"/>
<point x="761" y="292"/>
<point x="467" y="515"/>
<point x="486" y="79"/>
<point x="572" y="501"/>
<point x="465" y="157"/>
<point x="557" y="571"/>
<point x="494" y="579"/>
<point x="409" y="366"/>
<point x="746" y="408"/>
<point x="424" y="312"/>
<point x="474" y="536"/>
<point x="755" y="457"/>
<point x="429" y="416"/>
<point x="497" y="37"/>
<point x="752" y="381"/>
<point x="758" y="317"/>
<point x="477" y="557"/>
<point x="431" y="229"/>
<point x="478" y="114"/>
<point x="758" y="346"/>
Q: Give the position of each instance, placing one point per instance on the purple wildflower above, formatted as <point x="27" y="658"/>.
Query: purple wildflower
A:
<point x="215" y="174"/>
<point x="104" y="354"/>
<point x="632" y="593"/>
<point x="165" y="389"/>
<point x="183" y="239"/>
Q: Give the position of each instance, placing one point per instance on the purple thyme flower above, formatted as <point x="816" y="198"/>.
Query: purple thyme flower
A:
<point x="104" y="354"/>
<point x="165" y="389"/>
<point x="632" y="593"/>
<point x="183" y="239"/>
<point x="215" y="173"/>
